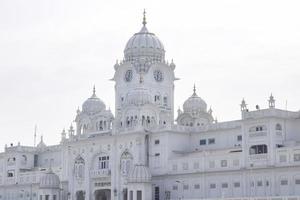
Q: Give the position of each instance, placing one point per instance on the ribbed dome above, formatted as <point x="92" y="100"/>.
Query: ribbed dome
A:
<point x="49" y="180"/>
<point x="194" y="104"/>
<point x="139" y="174"/>
<point x="93" y="104"/>
<point x="144" y="44"/>
<point x="138" y="97"/>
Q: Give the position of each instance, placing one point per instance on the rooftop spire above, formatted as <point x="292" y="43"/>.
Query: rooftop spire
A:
<point x="144" y="18"/>
<point x="194" y="89"/>
<point x="94" y="92"/>
<point x="271" y="101"/>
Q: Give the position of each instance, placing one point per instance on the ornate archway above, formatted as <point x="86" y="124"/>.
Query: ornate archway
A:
<point x="103" y="194"/>
<point x="80" y="195"/>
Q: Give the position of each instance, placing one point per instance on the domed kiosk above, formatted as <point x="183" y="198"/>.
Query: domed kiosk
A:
<point x="194" y="104"/>
<point x="94" y="117"/>
<point x="93" y="104"/>
<point x="195" y="112"/>
<point x="49" y="188"/>
<point x="139" y="183"/>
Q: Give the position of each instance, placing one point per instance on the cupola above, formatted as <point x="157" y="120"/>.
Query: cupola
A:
<point x="93" y="104"/>
<point x="194" y="104"/>
<point x="139" y="174"/>
<point x="49" y="180"/>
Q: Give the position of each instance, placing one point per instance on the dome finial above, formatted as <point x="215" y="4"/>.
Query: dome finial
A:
<point x="94" y="92"/>
<point x="194" y="89"/>
<point x="144" y="18"/>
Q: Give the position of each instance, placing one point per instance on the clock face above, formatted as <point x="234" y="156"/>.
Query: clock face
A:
<point x="128" y="75"/>
<point x="158" y="75"/>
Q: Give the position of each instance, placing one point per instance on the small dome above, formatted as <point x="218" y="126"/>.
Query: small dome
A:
<point x="93" y="104"/>
<point x="117" y="65"/>
<point x="172" y="65"/>
<point x="41" y="144"/>
<point x="49" y="180"/>
<point x="144" y="44"/>
<point x="194" y="104"/>
<point x="139" y="174"/>
<point x="138" y="97"/>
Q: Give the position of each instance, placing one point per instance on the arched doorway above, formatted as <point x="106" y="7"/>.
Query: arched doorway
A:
<point x="103" y="194"/>
<point x="80" y="195"/>
<point x="125" y="193"/>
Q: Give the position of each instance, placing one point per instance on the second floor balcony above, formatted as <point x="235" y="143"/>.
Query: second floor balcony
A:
<point x="100" y="173"/>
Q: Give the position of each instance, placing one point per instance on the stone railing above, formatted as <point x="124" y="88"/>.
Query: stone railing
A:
<point x="10" y="181"/>
<point x="100" y="173"/>
<point x="259" y="156"/>
<point x="29" y="177"/>
<point x="270" y="113"/>
<point x="250" y="198"/>
<point x="209" y="127"/>
<point x="257" y="134"/>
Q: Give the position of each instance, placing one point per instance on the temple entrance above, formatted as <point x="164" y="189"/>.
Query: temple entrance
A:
<point x="80" y="195"/>
<point x="125" y="194"/>
<point x="102" y="194"/>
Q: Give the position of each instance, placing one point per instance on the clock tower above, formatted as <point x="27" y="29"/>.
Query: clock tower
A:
<point x="144" y="89"/>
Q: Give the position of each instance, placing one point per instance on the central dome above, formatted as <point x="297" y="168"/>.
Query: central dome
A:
<point x="144" y="44"/>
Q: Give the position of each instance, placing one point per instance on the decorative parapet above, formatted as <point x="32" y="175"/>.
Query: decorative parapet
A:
<point x="270" y="113"/>
<point x="255" y="198"/>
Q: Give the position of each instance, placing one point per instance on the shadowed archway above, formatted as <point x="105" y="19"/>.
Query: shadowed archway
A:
<point x="80" y="195"/>
<point x="103" y="194"/>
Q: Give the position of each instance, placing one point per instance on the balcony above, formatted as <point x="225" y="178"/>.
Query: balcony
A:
<point x="257" y="134"/>
<point x="29" y="177"/>
<point x="10" y="181"/>
<point x="263" y="156"/>
<point x="100" y="173"/>
<point x="259" y="198"/>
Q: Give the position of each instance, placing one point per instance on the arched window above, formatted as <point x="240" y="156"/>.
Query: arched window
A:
<point x="11" y="161"/>
<point x="104" y="125"/>
<point x="24" y="159"/>
<point x="157" y="99"/>
<point x="165" y="101"/>
<point x="103" y="162"/>
<point x="126" y="163"/>
<point x="258" y="149"/>
<point x="79" y="167"/>
<point x="84" y="129"/>
<point x="278" y="127"/>
<point x="101" y="125"/>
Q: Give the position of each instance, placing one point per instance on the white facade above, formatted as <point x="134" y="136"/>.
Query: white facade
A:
<point x="142" y="153"/>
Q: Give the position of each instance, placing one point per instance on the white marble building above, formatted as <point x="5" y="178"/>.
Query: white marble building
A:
<point x="142" y="153"/>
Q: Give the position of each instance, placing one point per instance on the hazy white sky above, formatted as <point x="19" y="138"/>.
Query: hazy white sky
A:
<point x="53" y="51"/>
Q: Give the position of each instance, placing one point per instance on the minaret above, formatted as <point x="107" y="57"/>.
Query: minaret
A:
<point x="63" y="135"/>
<point x="34" y="140"/>
<point x="243" y="105"/>
<point x="271" y="101"/>
<point x="71" y="131"/>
